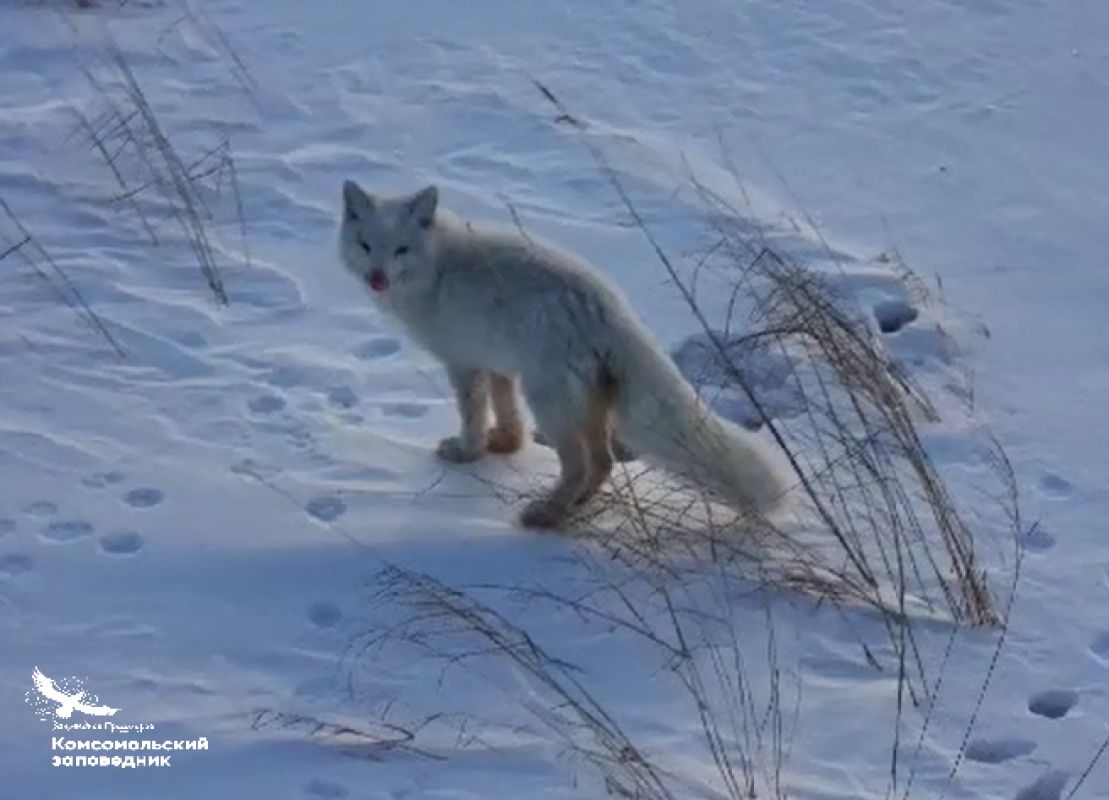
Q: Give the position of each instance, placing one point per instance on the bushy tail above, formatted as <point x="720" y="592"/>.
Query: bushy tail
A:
<point x="661" y="417"/>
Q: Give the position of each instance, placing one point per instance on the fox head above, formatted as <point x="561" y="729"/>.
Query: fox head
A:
<point x="385" y="241"/>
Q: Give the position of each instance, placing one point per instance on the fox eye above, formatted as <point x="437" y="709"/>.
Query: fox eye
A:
<point x="364" y="246"/>
<point x="400" y="251"/>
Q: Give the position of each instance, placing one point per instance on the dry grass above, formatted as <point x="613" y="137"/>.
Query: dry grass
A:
<point x="170" y="195"/>
<point x="363" y="739"/>
<point x="20" y="242"/>
<point x="154" y="180"/>
<point x="855" y="447"/>
<point x="665" y="566"/>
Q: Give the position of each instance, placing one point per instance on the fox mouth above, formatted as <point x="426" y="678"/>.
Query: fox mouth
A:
<point x="378" y="280"/>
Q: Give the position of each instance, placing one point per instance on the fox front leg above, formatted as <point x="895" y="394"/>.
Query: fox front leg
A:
<point x="507" y="433"/>
<point x="471" y="388"/>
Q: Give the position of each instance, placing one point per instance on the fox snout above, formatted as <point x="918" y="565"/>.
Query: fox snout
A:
<point x="377" y="280"/>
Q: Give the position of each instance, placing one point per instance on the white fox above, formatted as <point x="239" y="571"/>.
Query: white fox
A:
<point x="500" y="308"/>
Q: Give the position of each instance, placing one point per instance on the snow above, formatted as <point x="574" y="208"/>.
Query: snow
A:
<point x="196" y="529"/>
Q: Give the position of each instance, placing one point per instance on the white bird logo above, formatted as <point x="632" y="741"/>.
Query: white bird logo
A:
<point x="68" y="703"/>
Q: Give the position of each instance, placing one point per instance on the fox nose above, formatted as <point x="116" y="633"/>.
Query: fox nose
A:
<point x="378" y="280"/>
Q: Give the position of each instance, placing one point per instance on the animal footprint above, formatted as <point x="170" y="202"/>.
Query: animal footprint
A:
<point x="893" y="315"/>
<point x="14" y="564"/>
<point x="41" y="508"/>
<point x="768" y="372"/>
<point x="100" y="480"/>
<point x="121" y="543"/>
<point x="374" y="349"/>
<point x="405" y="410"/>
<point x="998" y="751"/>
<point x="1053" y="703"/>
<point x="325" y="789"/>
<point x="1100" y="646"/>
<point x="1056" y="486"/>
<point x="254" y="469"/>
<point x="342" y="397"/>
<point x="265" y="404"/>
<point x="326" y="508"/>
<point x="143" y="497"/>
<point x="1038" y="540"/>
<point x="324" y="615"/>
<point x="66" y="530"/>
<point x="1048" y="786"/>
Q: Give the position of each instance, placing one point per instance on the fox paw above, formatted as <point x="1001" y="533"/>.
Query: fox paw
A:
<point x="453" y="449"/>
<point x="543" y="514"/>
<point x="504" y="440"/>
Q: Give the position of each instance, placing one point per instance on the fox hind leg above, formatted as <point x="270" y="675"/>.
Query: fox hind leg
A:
<point x="578" y="425"/>
<point x="559" y="410"/>
<point x="507" y="433"/>
<point x="551" y="510"/>
<point x="471" y="387"/>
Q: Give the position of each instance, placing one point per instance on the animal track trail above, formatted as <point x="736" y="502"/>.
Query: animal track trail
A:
<point x="998" y="751"/>
<point x="1053" y="703"/>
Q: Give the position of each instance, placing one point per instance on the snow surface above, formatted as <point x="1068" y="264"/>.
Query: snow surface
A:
<point x="195" y="529"/>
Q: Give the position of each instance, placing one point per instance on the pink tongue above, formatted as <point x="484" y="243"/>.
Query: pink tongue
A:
<point x="378" y="281"/>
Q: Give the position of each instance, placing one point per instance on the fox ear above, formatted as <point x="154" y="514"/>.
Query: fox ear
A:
<point x="422" y="205"/>
<point x="356" y="202"/>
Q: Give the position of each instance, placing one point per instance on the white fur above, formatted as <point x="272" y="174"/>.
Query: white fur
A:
<point x="502" y="301"/>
